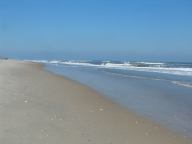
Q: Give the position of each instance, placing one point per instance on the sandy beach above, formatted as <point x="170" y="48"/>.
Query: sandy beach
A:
<point x="38" y="107"/>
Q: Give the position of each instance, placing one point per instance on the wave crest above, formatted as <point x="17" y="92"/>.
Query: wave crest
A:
<point x="184" y="69"/>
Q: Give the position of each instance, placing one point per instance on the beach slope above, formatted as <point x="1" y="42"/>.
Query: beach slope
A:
<point x="37" y="107"/>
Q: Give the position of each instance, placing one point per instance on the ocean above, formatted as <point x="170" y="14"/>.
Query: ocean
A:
<point x="160" y="91"/>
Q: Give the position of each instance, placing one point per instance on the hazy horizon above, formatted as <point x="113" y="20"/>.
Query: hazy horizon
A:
<point x="99" y="29"/>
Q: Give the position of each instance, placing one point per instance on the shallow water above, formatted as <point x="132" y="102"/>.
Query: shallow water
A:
<point x="152" y="95"/>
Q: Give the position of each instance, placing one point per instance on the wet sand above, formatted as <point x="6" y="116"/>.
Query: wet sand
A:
<point x="39" y="107"/>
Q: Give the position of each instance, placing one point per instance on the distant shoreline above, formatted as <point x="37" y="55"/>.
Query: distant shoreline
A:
<point x="3" y="58"/>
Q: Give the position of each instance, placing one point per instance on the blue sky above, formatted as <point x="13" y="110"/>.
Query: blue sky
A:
<point x="97" y="29"/>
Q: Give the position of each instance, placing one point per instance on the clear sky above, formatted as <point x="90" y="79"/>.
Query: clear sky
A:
<point x="97" y="29"/>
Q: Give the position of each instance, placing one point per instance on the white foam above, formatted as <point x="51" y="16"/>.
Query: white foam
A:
<point x="182" y="84"/>
<point x="78" y="63"/>
<point x="175" y="71"/>
<point x="155" y="67"/>
<point x="128" y="66"/>
<point x="37" y="61"/>
<point x="150" y="63"/>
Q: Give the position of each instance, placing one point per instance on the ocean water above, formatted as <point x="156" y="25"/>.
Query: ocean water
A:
<point x="159" y="91"/>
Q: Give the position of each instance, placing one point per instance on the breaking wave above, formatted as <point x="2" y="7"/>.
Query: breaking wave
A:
<point x="184" y="69"/>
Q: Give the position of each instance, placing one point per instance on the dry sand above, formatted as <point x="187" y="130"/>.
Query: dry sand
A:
<point x="37" y="107"/>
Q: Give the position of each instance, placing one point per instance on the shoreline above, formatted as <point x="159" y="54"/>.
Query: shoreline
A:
<point x="38" y="106"/>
